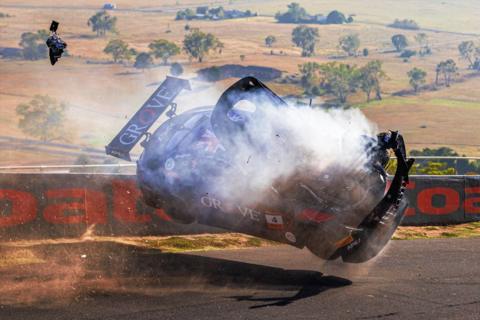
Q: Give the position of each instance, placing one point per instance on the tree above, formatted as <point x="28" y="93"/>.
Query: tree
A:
<point x="448" y="69"/>
<point x="400" y="42"/>
<point x="176" y="69"/>
<point x="309" y="78"/>
<point x="339" y="79"/>
<point x="336" y="17"/>
<point x="33" y="45"/>
<point x="294" y="14"/>
<point x="407" y="54"/>
<point x="163" y="49"/>
<point x="197" y="44"/>
<point x="349" y="44"/>
<point x="42" y="117"/>
<point x="143" y="61"/>
<point x="270" y="40"/>
<point x="101" y="22"/>
<point x="369" y="79"/>
<point x="467" y="51"/>
<point x="187" y="14"/>
<point x="408" y="24"/>
<point x="119" y="50"/>
<point x="417" y="78"/>
<point x="422" y="40"/>
<point x="305" y="37"/>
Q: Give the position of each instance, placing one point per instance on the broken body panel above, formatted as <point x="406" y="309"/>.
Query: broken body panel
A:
<point x="55" y="44"/>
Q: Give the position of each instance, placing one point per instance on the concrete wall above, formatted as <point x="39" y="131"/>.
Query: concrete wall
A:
<point x="55" y="205"/>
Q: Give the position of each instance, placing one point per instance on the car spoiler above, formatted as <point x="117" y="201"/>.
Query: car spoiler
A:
<point x="144" y="118"/>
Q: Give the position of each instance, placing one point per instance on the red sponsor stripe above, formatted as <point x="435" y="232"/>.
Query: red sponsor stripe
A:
<point x="275" y="226"/>
<point x="313" y="215"/>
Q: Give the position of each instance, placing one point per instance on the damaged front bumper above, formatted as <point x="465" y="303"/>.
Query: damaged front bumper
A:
<point x="374" y="232"/>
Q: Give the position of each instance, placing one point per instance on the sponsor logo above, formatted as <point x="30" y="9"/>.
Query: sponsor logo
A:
<point x="209" y="142"/>
<point x="274" y="222"/>
<point x="71" y="206"/>
<point x="169" y="164"/>
<point x="290" y="237"/>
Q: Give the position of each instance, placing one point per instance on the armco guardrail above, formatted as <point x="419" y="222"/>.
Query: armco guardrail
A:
<point x="38" y="205"/>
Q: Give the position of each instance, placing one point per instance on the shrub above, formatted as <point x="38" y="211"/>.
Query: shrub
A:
<point x="176" y="69"/>
<point x="407" y="53"/>
<point x="408" y="24"/>
<point x="336" y="17"/>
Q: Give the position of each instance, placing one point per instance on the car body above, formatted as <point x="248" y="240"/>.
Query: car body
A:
<point x="190" y="168"/>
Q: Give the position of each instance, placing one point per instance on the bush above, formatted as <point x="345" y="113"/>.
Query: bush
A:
<point x="476" y="65"/>
<point x="407" y="53"/>
<point x="336" y="17"/>
<point x="143" y="61"/>
<point x="294" y="14"/>
<point x="408" y="24"/>
<point x="176" y="69"/>
<point x="212" y="74"/>
<point x="33" y="45"/>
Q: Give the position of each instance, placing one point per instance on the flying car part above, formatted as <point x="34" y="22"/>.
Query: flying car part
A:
<point x="55" y="44"/>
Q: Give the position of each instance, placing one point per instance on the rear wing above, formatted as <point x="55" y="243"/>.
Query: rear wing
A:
<point x="144" y="118"/>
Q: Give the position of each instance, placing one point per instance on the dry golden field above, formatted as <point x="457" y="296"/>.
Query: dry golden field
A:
<point x="101" y="96"/>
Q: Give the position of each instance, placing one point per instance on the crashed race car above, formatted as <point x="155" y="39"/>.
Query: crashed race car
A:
<point x="349" y="214"/>
<point x="55" y="44"/>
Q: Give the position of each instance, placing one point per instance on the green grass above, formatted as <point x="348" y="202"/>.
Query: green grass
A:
<point x="453" y="103"/>
<point x="468" y="230"/>
<point x="450" y="235"/>
<point x="395" y="101"/>
<point x="18" y="257"/>
<point x="200" y="243"/>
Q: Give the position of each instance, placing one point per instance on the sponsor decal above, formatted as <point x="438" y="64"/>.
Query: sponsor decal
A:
<point x="209" y="142"/>
<point x="250" y="213"/>
<point x="169" y="164"/>
<point x="274" y="222"/>
<point x="73" y="206"/>
<point x="343" y="242"/>
<point x="210" y="202"/>
<point x="85" y="200"/>
<point x="311" y="215"/>
<point x="290" y="237"/>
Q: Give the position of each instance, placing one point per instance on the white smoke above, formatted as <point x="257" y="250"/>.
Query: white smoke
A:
<point x="292" y="139"/>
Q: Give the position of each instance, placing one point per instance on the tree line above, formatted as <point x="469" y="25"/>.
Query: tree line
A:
<point x="297" y="14"/>
<point x="341" y="79"/>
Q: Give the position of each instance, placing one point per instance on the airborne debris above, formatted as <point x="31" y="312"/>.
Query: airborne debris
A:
<point x="55" y="44"/>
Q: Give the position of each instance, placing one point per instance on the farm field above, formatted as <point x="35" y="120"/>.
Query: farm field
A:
<point x="102" y="95"/>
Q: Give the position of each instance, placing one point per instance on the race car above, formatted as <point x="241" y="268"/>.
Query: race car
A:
<point x="55" y="44"/>
<point x="195" y="168"/>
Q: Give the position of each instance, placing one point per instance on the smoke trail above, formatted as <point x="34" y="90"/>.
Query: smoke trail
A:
<point x="281" y="145"/>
